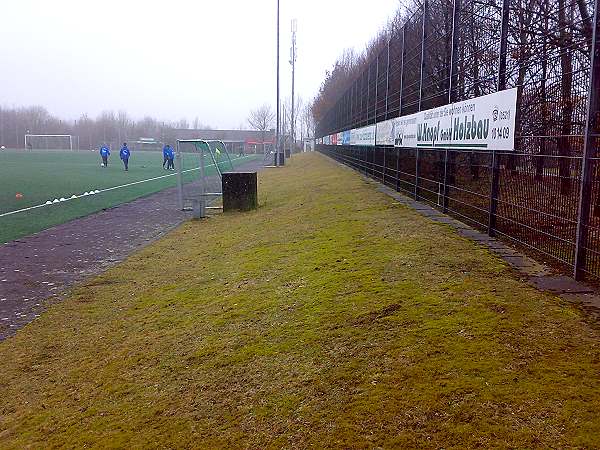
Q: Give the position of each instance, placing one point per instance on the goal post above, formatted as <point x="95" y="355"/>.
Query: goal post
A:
<point x="49" y="142"/>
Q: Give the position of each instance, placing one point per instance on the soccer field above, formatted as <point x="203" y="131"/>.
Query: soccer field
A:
<point x="45" y="175"/>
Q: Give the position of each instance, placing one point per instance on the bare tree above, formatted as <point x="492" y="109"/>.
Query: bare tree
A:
<point x="307" y="121"/>
<point x="298" y="106"/>
<point x="123" y="125"/>
<point x="108" y="127"/>
<point x="183" y="124"/>
<point x="261" y="119"/>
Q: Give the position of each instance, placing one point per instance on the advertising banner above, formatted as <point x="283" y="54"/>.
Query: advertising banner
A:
<point x="346" y="136"/>
<point x="333" y="139"/>
<point x="340" y="138"/>
<point x="363" y="136"/>
<point x="385" y="133"/>
<point x="483" y="123"/>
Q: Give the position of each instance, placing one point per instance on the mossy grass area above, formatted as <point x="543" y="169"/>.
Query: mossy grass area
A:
<point x="331" y="317"/>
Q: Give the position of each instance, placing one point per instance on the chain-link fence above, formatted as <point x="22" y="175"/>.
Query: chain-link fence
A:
<point x="545" y="195"/>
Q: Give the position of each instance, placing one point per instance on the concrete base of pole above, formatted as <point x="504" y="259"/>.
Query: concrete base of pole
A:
<point x="198" y="208"/>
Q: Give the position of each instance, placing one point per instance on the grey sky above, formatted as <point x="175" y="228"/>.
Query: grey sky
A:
<point x="172" y="59"/>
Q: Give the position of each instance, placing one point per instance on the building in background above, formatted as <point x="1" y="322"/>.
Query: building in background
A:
<point x="236" y="141"/>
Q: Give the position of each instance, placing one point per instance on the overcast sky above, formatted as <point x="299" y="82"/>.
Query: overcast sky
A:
<point x="172" y="59"/>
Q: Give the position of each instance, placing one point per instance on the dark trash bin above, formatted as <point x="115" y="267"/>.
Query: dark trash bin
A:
<point x="240" y="191"/>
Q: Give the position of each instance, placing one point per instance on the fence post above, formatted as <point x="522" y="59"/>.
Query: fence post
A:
<point x="494" y="190"/>
<point x="417" y="157"/>
<point x="368" y="93"/>
<point x="349" y="102"/>
<point x="401" y="73"/>
<point x="589" y="151"/>
<point x="445" y="187"/>
<point x="501" y="85"/>
<point x="451" y="89"/>
<point x="503" y="47"/>
<point x="423" y="37"/>
<point x="400" y="107"/>
<point x="383" y="170"/>
<point x="397" y="169"/>
<point x="376" y="87"/>
<point x="453" y="59"/>
<point x="387" y="79"/>
<point x="351" y="118"/>
<point x="360" y="94"/>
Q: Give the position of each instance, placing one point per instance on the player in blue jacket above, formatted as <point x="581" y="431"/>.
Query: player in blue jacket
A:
<point x="171" y="157"/>
<point x="104" y="153"/>
<point x="166" y="156"/>
<point x="125" y="154"/>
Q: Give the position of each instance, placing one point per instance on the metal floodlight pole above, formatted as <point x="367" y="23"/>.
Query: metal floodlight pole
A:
<point x="293" y="63"/>
<point x="277" y="138"/>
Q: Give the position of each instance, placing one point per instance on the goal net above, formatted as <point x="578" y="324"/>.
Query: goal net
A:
<point x="200" y="164"/>
<point x="48" y="142"/>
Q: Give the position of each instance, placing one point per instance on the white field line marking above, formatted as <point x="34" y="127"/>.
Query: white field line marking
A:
<point x="10" y="213"/>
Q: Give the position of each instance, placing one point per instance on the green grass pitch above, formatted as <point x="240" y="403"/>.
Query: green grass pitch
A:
<point x="45" y="175"/>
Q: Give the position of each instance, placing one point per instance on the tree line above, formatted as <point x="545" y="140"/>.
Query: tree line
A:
<point x="548" y="45"/>
<point x="115" y="127"/>
<point x="263" y="118"/>
<point x="108" y="127"/>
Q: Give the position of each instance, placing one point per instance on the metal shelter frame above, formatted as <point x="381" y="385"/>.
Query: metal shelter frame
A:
<point x="199" y="203"/>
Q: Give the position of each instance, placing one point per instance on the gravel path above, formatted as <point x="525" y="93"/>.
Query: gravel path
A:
<point x="38" y="269"/>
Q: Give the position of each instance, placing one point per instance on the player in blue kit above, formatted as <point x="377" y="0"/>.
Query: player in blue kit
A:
<point x="125" y="154"/>
<point x="171" y="156"/>
<point x="104" y="154"/>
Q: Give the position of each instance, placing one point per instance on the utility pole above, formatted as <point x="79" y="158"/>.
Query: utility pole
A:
<point x="293" y="63"/>
<point x="277" y="138"/>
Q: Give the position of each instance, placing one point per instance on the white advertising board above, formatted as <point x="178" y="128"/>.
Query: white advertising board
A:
<point x="385" y="133"/>
<point x="483" y="123"/>
<point x="363" y="136"/>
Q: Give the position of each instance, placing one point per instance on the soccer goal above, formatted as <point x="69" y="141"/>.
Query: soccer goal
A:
<point x="48" y="142"/>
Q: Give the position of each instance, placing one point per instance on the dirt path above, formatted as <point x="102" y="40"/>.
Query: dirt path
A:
<point x="39" y="269"/>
